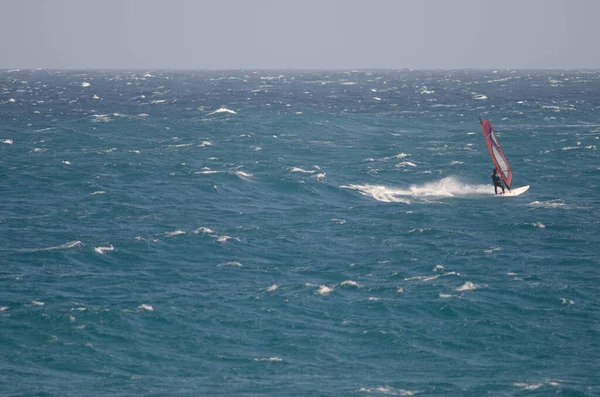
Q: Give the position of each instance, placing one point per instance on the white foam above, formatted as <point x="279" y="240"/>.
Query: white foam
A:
<point x="66" y="162"/>
<point x="244" y="175"/>
<point x="456" y="162"/>
<point x="145" y="307"/>
<point x="175" y="233"/>
<point x="525" y="386"/>
<point x="270" y="359"/>
<point x="3" y="308"/>
<point x="338" y="221"/>
<point x="446" y="187"/>
<point x="222" y="110"/>
<point x="205" y="143"/>
<point x="100" y="118"/>
<point x="319" y="176"/>
<point x="350" y="283"/>
<point x="256" y="148"/>
<point x="203" y="230"/>
<point x="438" y="267"/>
<point x="539" y="225"/>
<point x="39" y="150"/>
<point x="388" y="390"/>
<point x="70" y="244"/>
<point x="297" y="169"/>
<point x="7" y="141"/>
<point x="558" y="203"/>
<point x="566" y="301"/>
<point x="207" y="170"/>
<point x="96" y="97"/>
<point x="480" y="97"/>
<point x="223" y="239"/>
<point x="135" y="151"/>
<point x="230" y="264"/>
<point x="468" y="286"/>
<point x="143" y="115"/>
<point x="324" y="290"/>
<point x="448" y="296"/>
<point x="102" y="250"/>
<point x="406" y="164"/>
<point x="37" y="303"/>
<point x="85" y="84"/>
<point x="272" y="288"/>
<point x="421" y="278"/>
<point x="157" y="101"/>
<point x="11" y="100"/>
<point x="377" y="98"/>
<point x="491" y="250"/>
<point x="97" y="192"/>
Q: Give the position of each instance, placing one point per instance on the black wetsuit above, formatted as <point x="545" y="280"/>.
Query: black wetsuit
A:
<point x="497" y="182"/>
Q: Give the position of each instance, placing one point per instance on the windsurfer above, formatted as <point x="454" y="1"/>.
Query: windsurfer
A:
<point x="497" y="181"/>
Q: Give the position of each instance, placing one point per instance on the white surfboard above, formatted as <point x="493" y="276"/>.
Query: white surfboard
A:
<point x="514" y="192"/>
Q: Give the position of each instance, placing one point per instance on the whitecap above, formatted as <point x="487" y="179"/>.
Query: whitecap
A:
<point x="491" y="250"/>
<point x="205" y="143"/>
<point x="97" y="192"/>
<point x="438" y="267"/>
<point x="175" y="233"/>
<point x="3" y="308"/>
<point x="349" y="283"/>
<point x="566" y="301"/>
<point x="70" y="244"/>
<point x="85" y="84"/>
<point x="538" y="225"/>
<point x="468" y="286"/>
<point x="39" y="150"/>
<point x="319" y="176"/>
<point x="66" y="162"/>
<point x="231" y="264"/>
<point x="7" y="141"/>
<point x="377" y="98"/>
<point x="324" y="290"/>
<point x="37" y="303"/>
<point x="525" y="386"/>
<point x="157" y="101"/>
<point x="446" y="296"/>
<point x="222" y="110"/>
<point x="223" y="239"/>
<point x="406" y="164"/>
<point x="243" y="175"/>
<point x="145" y="307"/>
<point x="270" y="359"/>
<point x="297" y="169"/>
<point x="422" y="278"/>
<point x="388" y="390"/>
<point x="202" y="229"/>
<point x="558" y="203"/>
<point x="272" y="288"/>
<point x="456" y="162"/>
<point x="102" y="250"/>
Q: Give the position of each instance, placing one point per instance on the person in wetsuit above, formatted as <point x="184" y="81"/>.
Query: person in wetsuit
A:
<point x="497" y="181"/>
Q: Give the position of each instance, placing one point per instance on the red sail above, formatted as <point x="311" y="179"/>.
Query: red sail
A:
<point x="496" y="152"/>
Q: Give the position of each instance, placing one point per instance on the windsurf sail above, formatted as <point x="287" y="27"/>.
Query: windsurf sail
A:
<point x="496" y="152"/>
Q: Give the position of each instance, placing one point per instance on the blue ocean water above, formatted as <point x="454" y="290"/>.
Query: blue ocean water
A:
<point x="333" y="233"/>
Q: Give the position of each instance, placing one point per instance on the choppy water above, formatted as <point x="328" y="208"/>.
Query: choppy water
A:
<point x="298" y="234"/>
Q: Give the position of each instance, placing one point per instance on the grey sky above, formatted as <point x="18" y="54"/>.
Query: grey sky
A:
<point x="294" y="34"/>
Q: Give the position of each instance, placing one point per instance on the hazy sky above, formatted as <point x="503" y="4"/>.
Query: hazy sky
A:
<point x="300" y="34"/>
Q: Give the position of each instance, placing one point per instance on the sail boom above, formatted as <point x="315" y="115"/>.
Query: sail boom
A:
<point x="496" y="152"/>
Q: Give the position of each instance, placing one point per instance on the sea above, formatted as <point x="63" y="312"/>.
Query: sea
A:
<point x="298" y="233"/>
